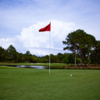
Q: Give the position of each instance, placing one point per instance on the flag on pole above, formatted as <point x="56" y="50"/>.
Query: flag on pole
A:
<point x="46" y="28"/>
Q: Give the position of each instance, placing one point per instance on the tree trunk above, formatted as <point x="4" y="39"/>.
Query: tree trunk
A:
<point x="96" y="58"/>
<point x="88" y="58"/>
<point x="75" y="54"/>
<point x="82" y="56"/>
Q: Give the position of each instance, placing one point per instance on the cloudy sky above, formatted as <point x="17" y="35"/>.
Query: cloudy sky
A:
<point x="20" y="21"/>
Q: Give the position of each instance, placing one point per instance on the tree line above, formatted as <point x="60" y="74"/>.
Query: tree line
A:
<point x="85" y="49"/>
<point x="10" y="55"/>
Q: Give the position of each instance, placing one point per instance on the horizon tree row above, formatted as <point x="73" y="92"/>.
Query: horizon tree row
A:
<point x="10" y="55"/>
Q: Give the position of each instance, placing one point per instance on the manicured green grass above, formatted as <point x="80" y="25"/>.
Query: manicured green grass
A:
<point x="37" y="84"/>
<point x="35" y="64"/>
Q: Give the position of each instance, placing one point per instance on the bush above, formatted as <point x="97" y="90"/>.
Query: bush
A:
<point x="78" y="60"/>
<point x="87" y="61"/>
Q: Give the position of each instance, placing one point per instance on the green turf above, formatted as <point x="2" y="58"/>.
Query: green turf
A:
<point x="37" y="84"/>
<point x="35" y="64"/>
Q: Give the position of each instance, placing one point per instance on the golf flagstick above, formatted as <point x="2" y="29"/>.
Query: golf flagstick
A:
<point x="49" y="50"/>
<point x="47" y="28"/>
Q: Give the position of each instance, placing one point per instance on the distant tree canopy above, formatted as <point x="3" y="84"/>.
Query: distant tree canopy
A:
<point x="12" y="56"/>
<point x="59" y="56"/>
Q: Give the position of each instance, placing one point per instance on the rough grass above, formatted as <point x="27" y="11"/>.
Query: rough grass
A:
<point x="37" y="84"/>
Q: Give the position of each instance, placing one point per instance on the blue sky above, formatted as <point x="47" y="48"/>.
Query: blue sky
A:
<point x="20" y="21"/>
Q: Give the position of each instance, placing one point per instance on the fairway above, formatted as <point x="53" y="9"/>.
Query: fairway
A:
<point x="37" y="84"/>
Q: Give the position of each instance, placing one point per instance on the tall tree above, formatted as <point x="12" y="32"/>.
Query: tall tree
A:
<point x="21" y="57"/>
<point x="12" y="53"/>
<point x="2" y="54"/>
<point x="79" y="41"/>
<point x="71" y="42"/>
<point x="28" y="56"/>
<point x="86" y="43"/>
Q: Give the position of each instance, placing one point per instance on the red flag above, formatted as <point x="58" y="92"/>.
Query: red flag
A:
<point x="46" y="28"/>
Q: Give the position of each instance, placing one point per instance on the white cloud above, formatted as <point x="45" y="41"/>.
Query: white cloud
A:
<point x="31" y="37"/>
<point x="6" y="42"/>
<point x="38" y="42"/>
